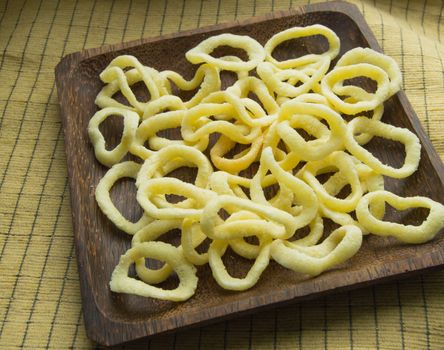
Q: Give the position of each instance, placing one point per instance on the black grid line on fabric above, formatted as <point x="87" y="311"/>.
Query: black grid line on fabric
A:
<point x="375" y="317"/>
<point x="20" y="65"/>
<point x="147" y="9"/>
<point x="107" y="21"/>
<point x="426" y="312"/>
<point x="401" y="316"/>
<point x="181" y="16"/>
<point x="39" y="284"/>
<point x="218" y="12"/>
<point x="423" y="15"/>
<point x="391" y="6"/>
<point x="19" y="16"/>
<point x="440" y="60"/>
<point x="426" y="108"/>
<point x="162" y="23"/>
<point x="439" y="21"/>
<point x="125" y="28"/>
<point x="31" y="160"/>
<point x="236" y="10"/>
<point x="76" y="330"/>
<point x="4" y="11"/>
<point x="350" y="319"/>
<point x="62" y="290"/>
<point x="199" y="16"/>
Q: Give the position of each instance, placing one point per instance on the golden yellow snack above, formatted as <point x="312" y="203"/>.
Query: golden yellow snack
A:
<point x="387" y="131"/>
<point x="207" y="76"/>
<point x="202" y="52"/>
<point x="221" y="274"/>
<point x="117" y="172"/>
<point x="122" y="283"/>
<point x="337" y="248"/>
<point x="283" y="82"/>
<point x="343" y="162"/>
<point x="315" y="149"/>
<point x="339" y="74"/>
<point x="405" y="233"/>
<point x="130" y="122"/>
<point x="300" y="32"/>
<point x="119" y="80"/>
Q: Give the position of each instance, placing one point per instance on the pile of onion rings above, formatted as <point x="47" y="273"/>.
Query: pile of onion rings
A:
<point x="298" y="94"/>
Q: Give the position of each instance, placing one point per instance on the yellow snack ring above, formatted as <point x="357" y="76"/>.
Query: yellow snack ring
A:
<point x="337" y="248"/>
<point x="339" y="74"/>
<point x="152" y="187"/>
<point x="315" y="234"/>
<point x="121" y="283"/>
<point x="220" y="272"/>
<point x="344" y="163"/>
<point x="148" y="129"/>
<point x="117" y="172"/>
<point x="367" y="55"/>
<point x="201" y="53"/>
<point x="197" y="124"/>
<point x="316" y="149"/>
<point x="104" y="97"/>
<point x="157" y="106"/>
<point x="240" y="161"/>
<point x="130" y="123"/>
<point x="244" y="86"/>
<point x="276" y="79"/>
<point x="405" y="233"/>
<point x="303" y="194"/>
<point x="150" y="233"/>
<point x="299" y="32"/>
<point x="161" y="161"/>
<point x="115" y="75"/>
<point x="274" y="217"/>
<point x="390" y="132"/>
<point x="192" y="237"/>
<point x="206" y="75"/>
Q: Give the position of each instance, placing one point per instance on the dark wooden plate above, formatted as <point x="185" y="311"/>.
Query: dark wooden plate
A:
<point x="111" y="319"/>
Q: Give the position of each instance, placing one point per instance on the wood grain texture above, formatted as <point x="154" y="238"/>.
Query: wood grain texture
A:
<point x="112" y="319"/>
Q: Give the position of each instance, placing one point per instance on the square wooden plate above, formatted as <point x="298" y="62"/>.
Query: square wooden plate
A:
<point x="111" y="319"/>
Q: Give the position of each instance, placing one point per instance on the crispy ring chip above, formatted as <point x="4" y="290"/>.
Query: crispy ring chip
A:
<point x="283" y="82"/>
<point x="150" y="233"/>
<point x="390" y="132"/>
<point x="339" y="74"/>
<point x="201" y="53"/>
<point x="117" y="80"/>
<point x="220" y="272"/>
<point x="315" y="149"/>
<point x="367" y="55"/>
<point x="207" y="76"/>
<point x="130" y="123"/>
<point x="121" y="283"/>
<point x="117" y="172"/>
<point x="337" y="248"/>
<point x="300" y="32"/>
<point x="405" y="233"/>
<point x="344" y="163"/>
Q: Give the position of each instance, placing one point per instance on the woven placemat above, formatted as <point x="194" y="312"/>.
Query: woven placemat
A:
<point x="40" y="305"/>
